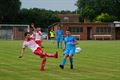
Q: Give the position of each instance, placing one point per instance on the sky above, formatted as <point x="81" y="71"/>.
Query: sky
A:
<point x="50" y="4"/>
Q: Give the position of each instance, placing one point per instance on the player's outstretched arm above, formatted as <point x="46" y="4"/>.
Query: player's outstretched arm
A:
<point x="33" y="26"/>
<point x="22" y="52"/>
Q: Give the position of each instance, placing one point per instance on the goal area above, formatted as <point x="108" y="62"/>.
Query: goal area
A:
<point x="13" y="31"/>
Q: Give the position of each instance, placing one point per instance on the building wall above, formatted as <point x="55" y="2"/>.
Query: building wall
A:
<point x="89" y="29"/>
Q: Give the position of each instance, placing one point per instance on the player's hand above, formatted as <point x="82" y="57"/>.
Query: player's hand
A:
<point x="20" y="56"/>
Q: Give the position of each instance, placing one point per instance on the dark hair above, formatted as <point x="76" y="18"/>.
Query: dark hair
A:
<point x="25" y="34"/>
<point x="59" y="25"/>
<point x="68" y="30"/>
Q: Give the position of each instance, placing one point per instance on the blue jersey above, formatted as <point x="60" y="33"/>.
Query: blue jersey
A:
<point x="69" y="40"/>
<point x="59" y="33"/>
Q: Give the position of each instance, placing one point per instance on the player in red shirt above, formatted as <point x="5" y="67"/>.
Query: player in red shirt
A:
<point x="30" y="43"/>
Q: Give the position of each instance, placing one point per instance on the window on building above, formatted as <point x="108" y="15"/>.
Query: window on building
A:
<point x="97" y="30"/>
<point x="76" y="29"/>
<point x="81" y="29"/>
<point x="66" y="19"/>
<point x="109" y="30"/>
<point x="105" y="30"/>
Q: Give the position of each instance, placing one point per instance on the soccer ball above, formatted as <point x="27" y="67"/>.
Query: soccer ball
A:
<point x="78" y="50"/>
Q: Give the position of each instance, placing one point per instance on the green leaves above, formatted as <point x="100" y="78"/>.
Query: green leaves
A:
<point x="41" y="17"/>
<point x="88" y="12"/>
<point x="8" y="9"/>
<point x="92" y="8"/>
<point x="105" y="17"/>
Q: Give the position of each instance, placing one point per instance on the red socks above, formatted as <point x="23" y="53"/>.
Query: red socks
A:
<point x="43" y="64"/>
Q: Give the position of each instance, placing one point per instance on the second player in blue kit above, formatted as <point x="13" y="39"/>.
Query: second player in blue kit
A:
<point x="59" y="36"/>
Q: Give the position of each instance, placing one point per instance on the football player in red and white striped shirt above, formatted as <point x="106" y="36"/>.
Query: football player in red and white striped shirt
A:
<point x="30" y="43"/>
<point x="37" y="35"/>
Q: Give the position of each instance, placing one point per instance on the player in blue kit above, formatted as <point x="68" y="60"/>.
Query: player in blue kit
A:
<point x="70" y="42"/>
<point x="59" y="33"/>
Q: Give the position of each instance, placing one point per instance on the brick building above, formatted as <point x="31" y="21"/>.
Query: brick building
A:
<point x="87" y="30"/>
<point x="90" y="31"/>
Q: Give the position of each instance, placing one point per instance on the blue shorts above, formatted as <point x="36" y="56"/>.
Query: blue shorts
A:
<point x="59" y="39"/>
<point x="70" y="51"/>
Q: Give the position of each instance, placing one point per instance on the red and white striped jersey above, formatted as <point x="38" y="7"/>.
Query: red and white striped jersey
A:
<point x="37" y="35"/>
<point x="30" y="44"/>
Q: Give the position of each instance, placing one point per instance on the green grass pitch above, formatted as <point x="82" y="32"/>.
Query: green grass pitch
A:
<point x="99" y="60"/>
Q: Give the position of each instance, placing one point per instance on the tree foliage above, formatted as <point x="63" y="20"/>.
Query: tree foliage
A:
<point x="9" y="9"/>
<point x="41" y="17"/>
<point x="105" y="17"/>
<point x="96" y="7"/>
<point x="10" y="13"/>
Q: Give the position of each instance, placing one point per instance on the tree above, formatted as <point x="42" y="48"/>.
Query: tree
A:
<point x="98" y="6"/>
<point x="105" y="17"/>
<point x="88" y="13"/>
<point x="8" y="10"/>
<point x="41" y="17"/>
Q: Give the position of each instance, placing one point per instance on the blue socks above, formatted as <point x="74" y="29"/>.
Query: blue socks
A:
<point x="63" y="61"/>
<point x="59" y="45"/>
<point x="71" y="61"/>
